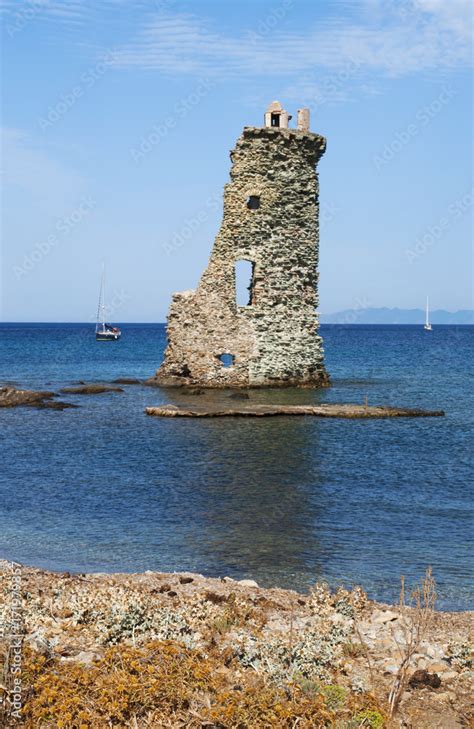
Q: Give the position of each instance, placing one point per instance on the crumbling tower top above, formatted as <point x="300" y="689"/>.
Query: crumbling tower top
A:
<point x="277" y="118"/>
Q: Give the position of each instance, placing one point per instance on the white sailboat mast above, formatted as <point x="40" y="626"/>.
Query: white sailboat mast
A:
<point x="427" y="320"/>
<point x="103" y="297"/>
<point x="101" y="307"/>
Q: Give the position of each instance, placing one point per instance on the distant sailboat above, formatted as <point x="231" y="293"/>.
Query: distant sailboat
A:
<point x="104" y="332"/>
<point x="427" y="326"/>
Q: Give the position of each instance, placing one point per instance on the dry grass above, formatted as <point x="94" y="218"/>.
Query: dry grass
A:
<point x="416" y="617"/>
<point x="164" y="684"/>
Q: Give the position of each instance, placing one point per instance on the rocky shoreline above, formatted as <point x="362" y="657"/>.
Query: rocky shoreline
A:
<point x="169" y="650"/>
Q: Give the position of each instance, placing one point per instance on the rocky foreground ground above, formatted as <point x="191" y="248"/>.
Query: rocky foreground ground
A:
<point x="182" y="650"/>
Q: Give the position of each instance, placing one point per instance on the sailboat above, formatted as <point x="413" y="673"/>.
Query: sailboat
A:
<point x="427" y="326"/>
<point x="104" y="332"/>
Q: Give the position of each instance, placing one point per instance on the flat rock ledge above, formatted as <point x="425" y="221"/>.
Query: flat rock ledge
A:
<point x="319" y="411"/>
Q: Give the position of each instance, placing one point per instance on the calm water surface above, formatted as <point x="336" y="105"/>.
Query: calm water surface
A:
<point x="286" y="501"/>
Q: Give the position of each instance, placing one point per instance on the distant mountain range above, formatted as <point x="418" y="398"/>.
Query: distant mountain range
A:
<point x="397" y="316"/>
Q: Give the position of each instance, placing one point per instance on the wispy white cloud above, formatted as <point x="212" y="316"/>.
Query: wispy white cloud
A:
<point x="455" y="16"/>
<point x="428" y="34"/>
<point x="55" y="8"/>
<point x="18" y="15"/>
<point x="389" y="37"/>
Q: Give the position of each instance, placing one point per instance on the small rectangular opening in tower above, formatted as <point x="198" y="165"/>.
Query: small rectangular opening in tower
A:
<point x="253" y="202"/>
<point x="227" y="359"/>
<point x="244" y="278"/>
<point x="275" y="119"/>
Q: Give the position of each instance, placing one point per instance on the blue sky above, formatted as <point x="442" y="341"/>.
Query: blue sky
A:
<point x="118" y="118"/>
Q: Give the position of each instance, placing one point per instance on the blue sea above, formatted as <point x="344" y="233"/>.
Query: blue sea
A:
<point x="285" y="501"/>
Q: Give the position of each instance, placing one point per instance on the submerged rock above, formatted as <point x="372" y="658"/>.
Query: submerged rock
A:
<point x="92" y="389"/>
<point x="124" y="381"/>
<point x="56" y="405"/>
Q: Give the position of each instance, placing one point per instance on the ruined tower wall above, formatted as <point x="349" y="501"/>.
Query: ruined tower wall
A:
<point x="274" y="340"/>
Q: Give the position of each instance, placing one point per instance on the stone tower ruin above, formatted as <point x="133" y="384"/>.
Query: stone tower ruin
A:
<point x="270" y="221"/>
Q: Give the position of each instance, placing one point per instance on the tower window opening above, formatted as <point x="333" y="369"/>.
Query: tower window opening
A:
<point x="275" y="120"/>
<point x="227" y="359"/>
<point x="244" y="282"/>
<point x="253" y="202"/>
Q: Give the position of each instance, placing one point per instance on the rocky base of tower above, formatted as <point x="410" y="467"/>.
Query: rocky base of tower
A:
<point x="167" y="376"/>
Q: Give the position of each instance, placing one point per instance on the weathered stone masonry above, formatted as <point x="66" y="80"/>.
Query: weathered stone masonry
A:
<point x="270" y="219"/>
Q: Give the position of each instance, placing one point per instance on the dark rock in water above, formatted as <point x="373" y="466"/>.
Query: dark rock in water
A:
<point x="125" y="381"/>
<point x="422" y="678"/>
<point x="239" y="396"/>
<point x="56" y="405"/>
<point x="10" y="397"/>
<point x="90" y="389"/>
<point x="195" y="392"/>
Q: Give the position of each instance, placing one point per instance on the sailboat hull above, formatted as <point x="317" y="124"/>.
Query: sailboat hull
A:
<point x="107" y="336"/>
